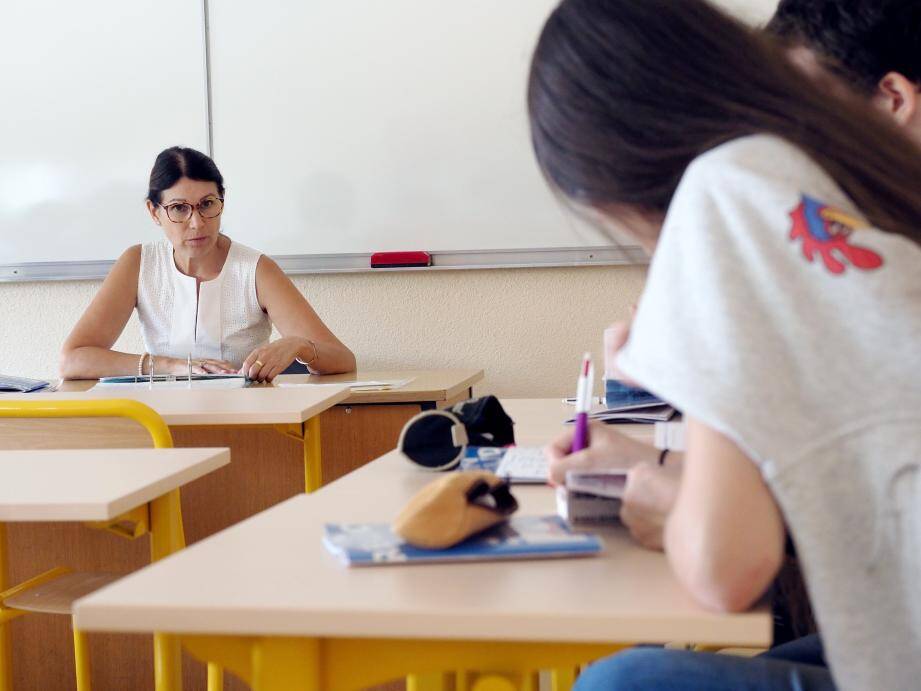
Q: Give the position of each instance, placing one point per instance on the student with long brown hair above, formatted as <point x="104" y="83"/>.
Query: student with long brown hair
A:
<point x="872" y="48"/>
<point x="781" y="313"/>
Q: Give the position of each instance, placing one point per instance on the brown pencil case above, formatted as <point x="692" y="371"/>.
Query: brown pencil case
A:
<point x="452" y="508"/>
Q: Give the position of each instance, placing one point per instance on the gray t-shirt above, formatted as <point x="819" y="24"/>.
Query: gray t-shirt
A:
<point x="775" y="314"/>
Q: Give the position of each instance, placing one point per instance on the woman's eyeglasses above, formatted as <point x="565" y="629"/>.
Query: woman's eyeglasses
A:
<point x="180" y="212"/>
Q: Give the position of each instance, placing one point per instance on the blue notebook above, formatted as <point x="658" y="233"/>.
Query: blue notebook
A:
<point x="619" y="396"/>
<point x="22" y="384"/>
<point x="522" y="537"/>
<point x="482" y="458"/>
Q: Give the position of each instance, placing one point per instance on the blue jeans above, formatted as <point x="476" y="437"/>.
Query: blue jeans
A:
<point x="795" y="666"/>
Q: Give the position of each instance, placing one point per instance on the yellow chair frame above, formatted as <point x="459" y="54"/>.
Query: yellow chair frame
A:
<point x="164" y="522"/>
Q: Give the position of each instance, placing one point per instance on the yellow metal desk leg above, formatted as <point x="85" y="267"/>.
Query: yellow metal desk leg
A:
<point x="166" y="537"/>
<point x="530" y="681"/>
<point x="562" y="679"/>
<point x="313" y="470"/>
<point x="6" y="653"/>
<point x="215" y="677"/>
<point x="426" y="682"/>
<point x="287" y="664"/>
<point x="82" y="660"/>
<point x="492" y="682"/>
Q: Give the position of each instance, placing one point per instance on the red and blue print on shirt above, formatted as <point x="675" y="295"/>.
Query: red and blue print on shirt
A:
<point x="826" y="231"/>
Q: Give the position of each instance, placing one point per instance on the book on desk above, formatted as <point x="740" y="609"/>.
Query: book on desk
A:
<point x="22" y="384"/>
<point x="522" y="537"/>
<point x="627" y="404"/>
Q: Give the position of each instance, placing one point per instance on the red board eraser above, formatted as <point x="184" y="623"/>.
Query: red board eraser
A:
<point x="390" y="260"/>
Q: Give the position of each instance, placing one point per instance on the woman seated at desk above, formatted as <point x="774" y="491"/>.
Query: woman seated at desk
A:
<point x="198" y="294"/>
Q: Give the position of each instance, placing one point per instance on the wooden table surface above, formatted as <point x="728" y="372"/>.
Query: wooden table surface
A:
<point x="257" y="405"/>
<point x="271" y="575"/>
<point x="433" y="386"/>
<point x="95" y="484"/>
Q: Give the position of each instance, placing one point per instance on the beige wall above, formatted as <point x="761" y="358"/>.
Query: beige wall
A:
<point x="527" y="328"/>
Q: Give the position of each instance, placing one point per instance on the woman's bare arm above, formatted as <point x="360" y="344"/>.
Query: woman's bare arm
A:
<point x="298" y="324"/>
<point x="87" y="353"/>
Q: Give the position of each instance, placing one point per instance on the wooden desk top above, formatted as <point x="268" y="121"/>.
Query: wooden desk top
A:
<point x="426" y="385"/>
<point x="539" y="420"/>
<point x="271" y="575"/>
<point x="257" y="405"/>
<point x="95" y="484"/>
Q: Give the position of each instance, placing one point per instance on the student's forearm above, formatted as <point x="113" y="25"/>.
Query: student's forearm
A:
<point x="720" y="573"/>
<point x="329" y="358"/>
<point x="724" y="537"/>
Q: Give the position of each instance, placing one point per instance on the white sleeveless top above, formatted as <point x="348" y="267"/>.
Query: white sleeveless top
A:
<point x="224" y="321"/>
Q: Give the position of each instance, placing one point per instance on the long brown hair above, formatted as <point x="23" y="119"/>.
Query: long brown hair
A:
<point x="625" y="94"/>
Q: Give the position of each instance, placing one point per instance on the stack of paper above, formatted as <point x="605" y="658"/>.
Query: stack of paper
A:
<point x="670" y="435"/>
<point x="622" y="403"/>
<point x="591" y="495"/>
<point x="631" y="412"/>
<point x="625" y="403"/>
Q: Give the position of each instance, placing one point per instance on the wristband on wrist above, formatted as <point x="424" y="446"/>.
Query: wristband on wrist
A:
<point x="141" y="365"/>
<point x="316" y="354"/>
<point x="662" y="456"/>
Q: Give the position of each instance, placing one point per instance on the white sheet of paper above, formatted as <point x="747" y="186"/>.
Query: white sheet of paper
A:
<point x="369" y="385"/>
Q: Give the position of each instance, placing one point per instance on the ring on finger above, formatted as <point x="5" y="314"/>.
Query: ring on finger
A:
<point x="260" y="363"/>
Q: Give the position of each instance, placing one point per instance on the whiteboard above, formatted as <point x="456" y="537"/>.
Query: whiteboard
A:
<point x="341" y="128"/>
<point x="363" y="125"/>
<point x="91" y="91"/>
<point x="366" y="125"/>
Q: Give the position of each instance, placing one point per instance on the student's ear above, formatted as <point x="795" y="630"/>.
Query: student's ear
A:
<point x="152" y="210"/>
<point x="898" y="96"/>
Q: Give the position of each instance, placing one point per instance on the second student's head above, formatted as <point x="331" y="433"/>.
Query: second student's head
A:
<point x="624" y="95"/>
<point x="872" y="46"/>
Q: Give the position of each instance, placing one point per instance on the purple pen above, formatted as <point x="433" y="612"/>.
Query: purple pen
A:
<point x="583" y="403"/>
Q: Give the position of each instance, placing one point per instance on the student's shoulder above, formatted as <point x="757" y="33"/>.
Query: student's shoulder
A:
<point x="763" y="157"/>
<point x="741" y="194"/>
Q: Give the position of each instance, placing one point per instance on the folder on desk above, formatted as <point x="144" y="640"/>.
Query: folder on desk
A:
<point x="167" y="381"/>
<point x="22" y="384"/>
<point x="522" y="537"/>
<point x="622" y="403"/>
